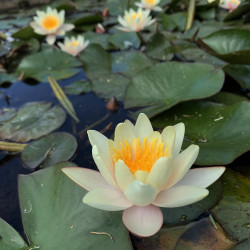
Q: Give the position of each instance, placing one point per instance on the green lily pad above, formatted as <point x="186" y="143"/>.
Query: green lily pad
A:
<point x="49" y="150"/>
<point x="10" y="238"/>
<point x="232" y="45"/>
<point x="125" y="40"/>
<point x="100" y="39"/>
<point x="32" y="121"/>
<point x="245" y="245"/>
<point x="7" y="114"/>
<point x="26" y="33"/>
<point x="180" y="215"/>
<point x="48" y="197"/>
<point x="219" y="125"/>
<point x="88" y="19"/>
<point x="111" y="85"/>
<point x="174" y="21"/>
<point x="232" y="212"/>
<point x="243" y="8"/>
<point x="164" y="85"/>
<point x="7" y="78"/>
<point x="129" y="63"/>
<point x="49" y="62"/>
<point x="77" y="88"/>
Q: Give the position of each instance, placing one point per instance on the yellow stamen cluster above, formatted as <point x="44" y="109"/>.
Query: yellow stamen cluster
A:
<point x="143" y="157"/>
<point x="150" y="1"/>
<point x="50" y="22"/>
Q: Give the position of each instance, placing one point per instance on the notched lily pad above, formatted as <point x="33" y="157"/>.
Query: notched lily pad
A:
<point x="32" y="121"/>
<point x="48" y="150"/>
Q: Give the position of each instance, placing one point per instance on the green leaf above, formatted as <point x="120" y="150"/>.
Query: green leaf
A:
<point x="100" y="39"/>
<point x="49" y="150"/>
<point x="32" y="121"/>
<point x="219" y="125"/>
<point x="26" y="33"/>
<point x="7" y="114"/>
<point x="166" y="84"/>
<point x="173" y="21"/>
<point x="245" y="245"/>
<point x="10" y="238"/>
<point x="7" y="78"/>
<point x="232" y="45"/>
<point x="88" y="19"/>
<point x="129" y="63"/>
<point x="49" y="62"/>
<point x="77" y="88"/>
<point x="48" y="197"/>
<point x="232" y="212"/>
<point x="243" y="8"/>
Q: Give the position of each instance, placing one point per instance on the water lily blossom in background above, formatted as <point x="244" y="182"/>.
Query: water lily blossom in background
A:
<point x="142" y="170"/>
<point x="50" y="23"/>
<point x="228" y="4"/>
<point x="73" y="45"/>
<point x="149" y="5"/>
<point x="135" y="20"/>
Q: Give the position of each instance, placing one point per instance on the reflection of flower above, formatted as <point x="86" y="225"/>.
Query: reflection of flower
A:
<point x="228" y="4"/>
<point x="73" y="45"/>
<point x="135" y="20"/>
<point x="50" y="23"/>
<point x="149" y="5"/>
<point x="142" y="170"/>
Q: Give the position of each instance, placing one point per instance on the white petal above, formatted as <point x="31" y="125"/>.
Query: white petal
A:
<point x="168" y="137"/>
<point x="107" y="199"/>
<point x="140" y="194"/>
<point x="38" y="29"/>
<point x="181" y="164"/>
<point x="123" y="175"/>
<point x="143" y="221"/>
<point x="201" y="177"/>
<point x="86" y="178"/>
<point x="50" y="39"/>
<point x="179" y="135"/>
<point x="123" y="131"/>
<point x="143" y="127"/>
<point x="67" y="27"/>
<point x="179" y="196"/>
<point x="159" y="173"/>
<point x="107" y="174"/>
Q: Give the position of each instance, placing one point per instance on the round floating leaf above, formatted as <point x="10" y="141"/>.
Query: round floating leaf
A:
<point x="7" y="114"/>
<point x="10" y="238"/>
<point x="7" y="78"/>
<point x="88" y="19"/>
<point x="48" y="62"/>
<point x="77" y="88"/>
<point x="100" y="39"/>
<point x="232" y="212"/>
<point x="167" y="84"/>
<point x="32" y="121"/>
<point x="129" y="63"/>
<point x="232" y="45"/>
<point x="49" y="150"/>
<point x="124" y="40"/>
<point x="26" y="33"/>
<point x="49" y="197"/>
<point x="219" y="125"/>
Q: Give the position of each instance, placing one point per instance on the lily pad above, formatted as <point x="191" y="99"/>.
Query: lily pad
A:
<point x="232" y="211"/>
<point x="243" y="8"/>
<point x="48" y="197"/>
<point x="245" y="245"/>
<point x="7" y="78"/>
<point x="164" y="85"/>
<point x="125" y="40"/>
<point x="7" y="114"/>
<point x="49" y="62"/>
<point x="100" y="39"/>
<point x="219" y="125"/>
<point x="32" y="121"/>
<point x="26" y="33"/>
<point x="49" y="150"/>
<point x="77" y="88"/>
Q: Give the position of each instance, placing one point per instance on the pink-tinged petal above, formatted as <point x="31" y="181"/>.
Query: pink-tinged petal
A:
<point x="159" y="173"/>
<point x="86" y="178"/>
<point x="179" y="136"/>
<point x="201" y="177"/>
<point x="143" y="221"/>
<point x="168" y="137"/>
<point x="179" y="196"/>
<point x="143" y="127"/>
<point x="181" y="164"/>
<point x="50" y="39"/>
<point x="123" y="175"/>
<point x="108" y="175"/>
<point x="140" y="194"/>
<point x="67" y="27"/>
<point x="123" y="131"/>
<point x="107" y="199"/>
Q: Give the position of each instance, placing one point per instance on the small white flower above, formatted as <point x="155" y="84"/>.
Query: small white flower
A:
<point x="149" y="5"/>
<point x="228" y="4"/>
<point x="50" y="23"/>
<point x="73" y="45"/>
<point x="135" y="20"/>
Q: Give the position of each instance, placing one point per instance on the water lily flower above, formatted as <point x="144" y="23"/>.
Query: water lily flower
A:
<point x="135" y="20"/>
<point x="140" y="171"/>
<point x="149" y="5"/>
<point x="73" y="45"/>
<point x="228" y="4"/>
<point x="50" y="23"/>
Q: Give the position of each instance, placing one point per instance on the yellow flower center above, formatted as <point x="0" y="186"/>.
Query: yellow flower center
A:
<point x="50" y="22"/>
<point x="143" y="156"/>
<point x="150" y="1"/>
<point x="135" y="16"/>
<point x="74" y="43"/>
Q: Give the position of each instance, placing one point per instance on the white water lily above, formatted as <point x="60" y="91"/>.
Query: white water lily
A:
<point x="149" y="5"/>
<point x="140" y="171"/>
<point x="50" y="23"/>
<point x="135" y="20"/>
<point x="73" y="45"/>
<point x="228" y="4"/>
